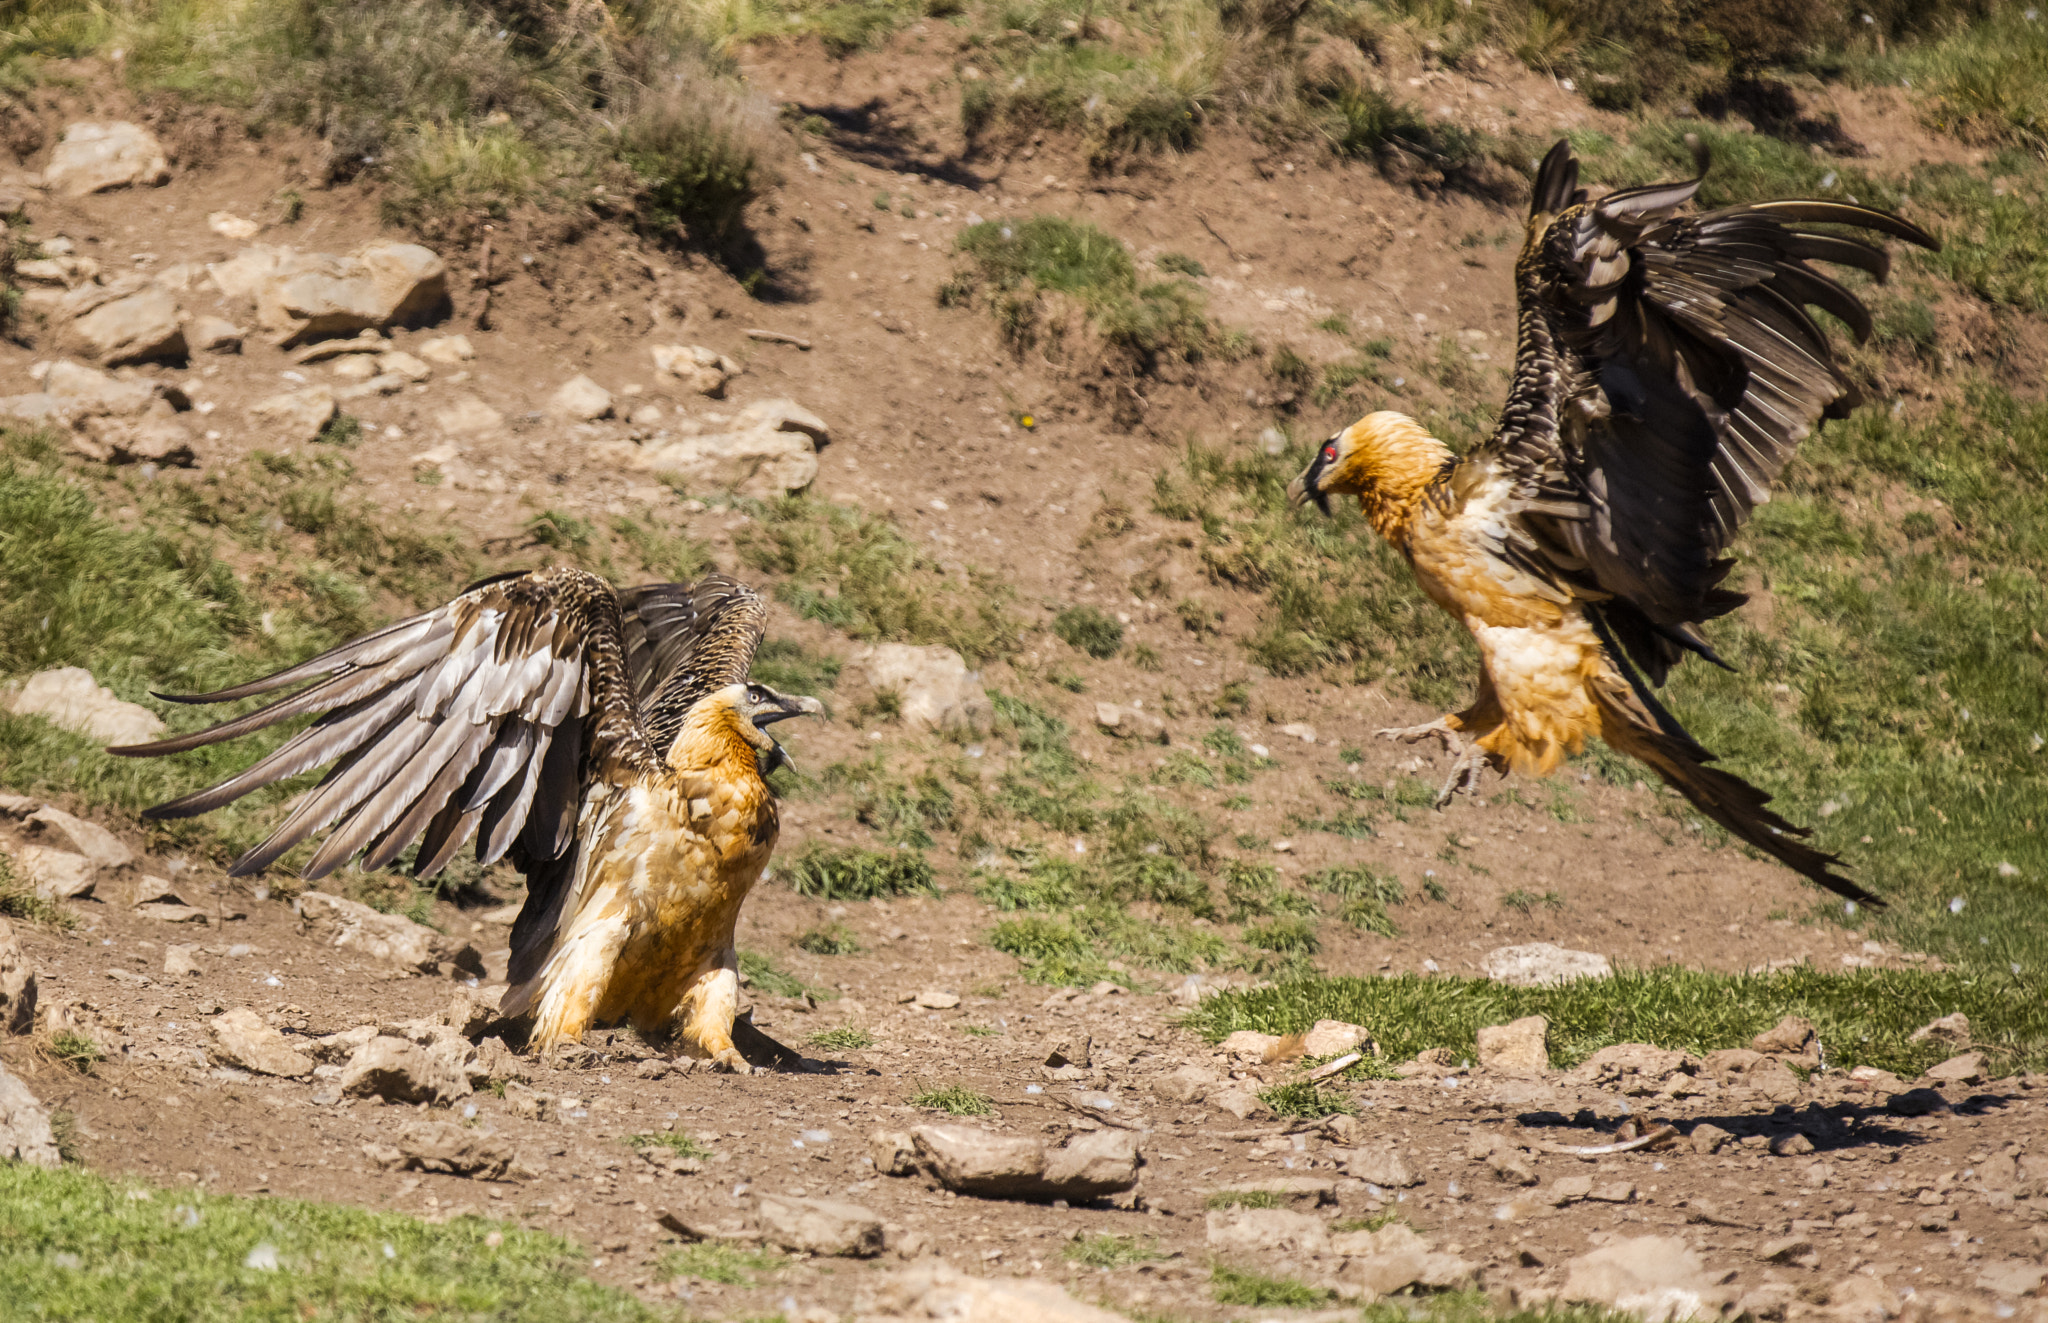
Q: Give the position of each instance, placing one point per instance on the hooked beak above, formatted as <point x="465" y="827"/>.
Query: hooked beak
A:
<point x="786" y="706"/>
<point x="1308" y="486"/>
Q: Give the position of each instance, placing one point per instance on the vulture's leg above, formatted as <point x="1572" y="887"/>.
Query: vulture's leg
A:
<point x="706" y="1012"/>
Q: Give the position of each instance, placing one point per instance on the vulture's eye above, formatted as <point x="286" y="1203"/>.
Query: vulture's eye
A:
<point x="1330" y="451"/>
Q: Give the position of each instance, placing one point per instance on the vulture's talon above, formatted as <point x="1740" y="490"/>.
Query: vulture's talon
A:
<point x="1464" y="777"/>
<point x="1415" y="734"/>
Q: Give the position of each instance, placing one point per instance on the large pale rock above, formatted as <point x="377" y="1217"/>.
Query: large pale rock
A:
<point x="213" y="335"/>
<point x="1394" y="1258"/>
<point x="938" y="692"/>
<point x="66" y="272"/>
<point x="1636" y="1069"/>
<point x="580" y="399"/>
<point x="893" y="1152"/>
<point x="296" y="417"/>
<point x="399" y="1070"/>
<point x="1520" y="1047"/>
<point x="157" y="437"/>
<point x="242" y="275"/>
<point x="1539" y="963"/>
<point x="999" y="1166"/>
<point x="240" y="1038"/>
<point x="1966" y="1068"/>
<point x="339" y="922"/>
<point x="453" y="1149"/>
<point x="1951" y="1029"/>
<point x="819" y="1226"/>
<point x="702" y="370"/>
<point x="88" y="391"/>
<point x="95" y="157"/>
<point x="1658" y="1278"/>
<point x="757" y="461"/>
<point x="303" y="296"/>
<point x="134" y="327"/>
<point x="1792" y="1036"/>
<point x="447" y="350"/>
<point x="467" y="415"/>
<point x="937" y="1290"/>
<point x="1333" y="1038"/>
<point x="25" y="1134"/>
<point x="17" y="984"/>
<point x="1267" y="1232"/>
<point x="52" y="826"/>
<point x="1382" y="1164"/>
<point x="55" y="874"/>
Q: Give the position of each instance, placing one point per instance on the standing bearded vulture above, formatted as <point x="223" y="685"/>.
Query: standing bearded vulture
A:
<point x="608" y="742"/>
<point x="1665" y="370"/>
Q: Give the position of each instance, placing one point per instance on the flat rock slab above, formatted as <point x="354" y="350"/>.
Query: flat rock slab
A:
<point x="819" y="1226"/>
<point x="25" y="1134"/>
<point x="94" y="157"/>
<point x="1535" y="964"/>
<point x="241" y="1039"/>
<point x="69" y="697"/>
<point x="981" y="1162"/>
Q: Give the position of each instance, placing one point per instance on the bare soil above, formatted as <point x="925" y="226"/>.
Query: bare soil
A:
<point x="921" y="401"/>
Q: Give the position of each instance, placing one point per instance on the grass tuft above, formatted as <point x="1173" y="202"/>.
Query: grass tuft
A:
<point x="1090" y="630"/>
<point x="1105" y="1249"/>
<point x="1232" y="1286"/>
<point x="1305" y="1101"/>
<point x="844" y="1039"/>
<point x="682" y="1145"/>
<point x="833" y="940"/>
<point x="854" y="874"/>
<point x="954" y="1100"/>
<point x="719" y="1262"/>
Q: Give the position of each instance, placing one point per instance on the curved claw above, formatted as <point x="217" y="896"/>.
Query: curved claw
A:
<point x="731" y="1062"/>
<point x="1464" y="776"/>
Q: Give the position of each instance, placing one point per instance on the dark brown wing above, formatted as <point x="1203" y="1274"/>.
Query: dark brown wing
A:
<point x="685" y="640"/>
<point x="484" y="717"/>
<point x="1666" y="371"/>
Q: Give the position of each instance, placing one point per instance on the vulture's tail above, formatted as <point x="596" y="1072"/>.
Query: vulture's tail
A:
<point x="1631" y="728"/>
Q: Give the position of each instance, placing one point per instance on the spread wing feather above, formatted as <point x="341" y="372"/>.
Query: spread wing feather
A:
<point x="685" y="640"/>
<point x="1667" y="369"/>
<point x="472" y="719"/>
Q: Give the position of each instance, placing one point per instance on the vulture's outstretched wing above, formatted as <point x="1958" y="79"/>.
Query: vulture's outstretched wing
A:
<point x="482" y="717"/>
<point x="684" y="640"/>
<point x="1667" y="368"/>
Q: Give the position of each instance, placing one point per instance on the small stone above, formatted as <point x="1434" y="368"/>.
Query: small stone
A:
<point x="17" y="985"/>
<point x="347" y="924"/>
<point x="468" y="416"/>
<point x="1392" y="1259"/>
<point x="1615" y="1192"/>
<point x="1784" y="1249"/>
<point x="705" y="371"/>
<point x="1184" y="1084"/>
<point x="294" y="418"/>
<point x="1296" y="730"/>
<point x="1660" y="1279"/>
<point x="455" y="1150"/>
<point x="230" y="226"/>
<point x="179" y="961"/>
<point x="934" y="999"/>
<point x="1248" y="1045"/>
<point x="447" y="350"/>
<point x="400" y="363"/>
<point x="25" y="1133"/>
<point x="1520" y="1047"/>
<point x="527" y="1103"/>
<point x="982" y="1162"/>
<point x="241" y="1039"/>
<point x="1380" y="1164"/>
<point x="581" y="400"/>
<point x="1566" y="1189"/>
<point x="893" y="1153"/>
<point x="1967" y="1068"/>
<point x="401" y="1071"/>
<point x="1791" y="1146"/>
<point x="213" y="335"/>
<point x="94" y="157"/>
<point x="127" y="323"/>
<point x="55" y="874"/>
<point x="69" y="697"/>
<point x="934" y="1289"/>
<point x="1951" y="1029"/>
<point x="1240" y="1100"/>
<point x="1537" y="964"/>
<point x="1266" y="1232"/>
<point x="1916" y="1102"/>
<point x="53" y="826"/>
<point x="2006" y="1277"/>
<point x="935" y="689"/>
<point x="355" y="367"/>
<point x="1792" y="1036"/>
<point x="1069" y="1050"/>
<point x="819" y="1226"/>
<point x="1707" y="1138"/>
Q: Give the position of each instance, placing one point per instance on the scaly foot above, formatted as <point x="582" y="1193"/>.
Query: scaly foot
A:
<point x="1440" y="728"/>
<point x="1464" y="776"/>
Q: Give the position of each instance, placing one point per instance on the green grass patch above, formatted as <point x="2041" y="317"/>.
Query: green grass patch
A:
<point x="953" y="1100"/>
<point x="77" y="1051"/>
<point x="1232" y="1286"/>
<point x="793" y="668"/>
<point x="830" y="940"/>
<point x="682" y="1145"/>
<point x="1243" y="1199"/>
<point x="858" y="573"/>
<point x="78" y="1246"/>
<point x="1305" y="1101"/>
<point x="763" y="976"/>
<point x="1863" y="1017"/>
<point x="1092" y="631"/>
<point x="1023" y="268"/>
<point x="1103" y="1249"/>
<point x="848" y="873"/>
<point x="719" y="1262"/>
<point x="1363" y="894"/>
<point x="846" y="1039"/>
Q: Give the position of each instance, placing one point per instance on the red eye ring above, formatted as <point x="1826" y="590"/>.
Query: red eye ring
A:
<point x="1330" y="451"/>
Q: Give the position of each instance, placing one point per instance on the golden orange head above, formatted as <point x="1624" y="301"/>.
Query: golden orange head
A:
<point x="1385" y="459"/>
<point x="726" y="721"/>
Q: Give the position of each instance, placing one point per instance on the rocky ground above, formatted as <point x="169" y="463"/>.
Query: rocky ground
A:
<point x="308" y="1046"/>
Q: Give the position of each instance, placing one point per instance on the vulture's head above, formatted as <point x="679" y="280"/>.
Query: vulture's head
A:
<point x="1384" y="457"/>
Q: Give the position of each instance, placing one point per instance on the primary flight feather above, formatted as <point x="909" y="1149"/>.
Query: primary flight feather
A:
<point x="1666" y="368"/>
<point x="608" y="742"/>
